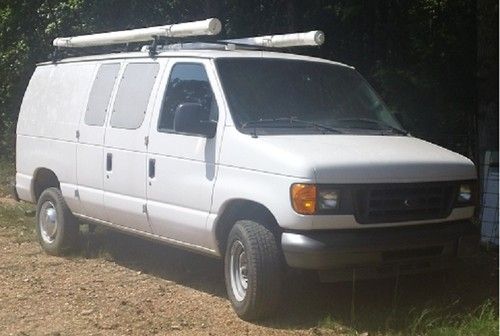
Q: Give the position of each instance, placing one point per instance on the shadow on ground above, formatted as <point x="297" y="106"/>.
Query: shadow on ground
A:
<point x="377" y="303"/>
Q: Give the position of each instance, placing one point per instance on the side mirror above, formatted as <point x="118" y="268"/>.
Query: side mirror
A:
<point x="192" y="118"/>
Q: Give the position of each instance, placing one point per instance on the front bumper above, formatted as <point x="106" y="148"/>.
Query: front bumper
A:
<point x="381" y="247"/>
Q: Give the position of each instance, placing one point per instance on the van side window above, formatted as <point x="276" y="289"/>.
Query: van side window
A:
<point x="101" y="93"/>
<point x="188" y="83"/>
<point x="133" y="95"/>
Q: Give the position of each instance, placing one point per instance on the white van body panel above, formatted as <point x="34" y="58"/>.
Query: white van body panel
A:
<point x="260" y="187"/>
<point x="48" y="120"/>
<point x="346" y="158"/>
<point x="54" y="101"/>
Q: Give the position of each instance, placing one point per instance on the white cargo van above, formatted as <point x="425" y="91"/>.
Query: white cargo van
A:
<point x="268" y="160"/>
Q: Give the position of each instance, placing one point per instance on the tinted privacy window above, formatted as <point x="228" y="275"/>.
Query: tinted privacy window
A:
<point x="188" y="83"/>
<point x="100" y="94"/>
<point x="261" y="90"/>
<point x="133" y="95"/>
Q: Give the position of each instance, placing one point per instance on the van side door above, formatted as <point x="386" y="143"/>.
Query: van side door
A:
<point x="181" y="166"/>
<point x="91" y="140"/>
<point x="125" y="146"/>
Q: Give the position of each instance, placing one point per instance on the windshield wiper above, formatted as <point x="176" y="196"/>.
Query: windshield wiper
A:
<point x="381" y="125"/>
<point x="292" y="122"/>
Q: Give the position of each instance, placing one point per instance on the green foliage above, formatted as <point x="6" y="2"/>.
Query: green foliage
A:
<point x="432" y="319"/>
<point x="420" y="55"/>
<point x="7" y="172"/>
<point x="13" y="217"/>
<point x="481" y="321"/>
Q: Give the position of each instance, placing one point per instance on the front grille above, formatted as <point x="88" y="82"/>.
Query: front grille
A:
<point x="403" y="202"/>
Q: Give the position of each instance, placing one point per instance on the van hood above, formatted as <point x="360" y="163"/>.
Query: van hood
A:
<point x="347" y="158"/>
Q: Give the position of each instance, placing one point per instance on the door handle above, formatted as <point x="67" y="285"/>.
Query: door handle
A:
<point x="152" y="168"/>
<point x="109" y="162"/>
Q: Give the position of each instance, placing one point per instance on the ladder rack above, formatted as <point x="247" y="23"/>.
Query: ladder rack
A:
<point x="208" y="27"/>
<point x="268" y="42"/>
<point x="197" y="28"/>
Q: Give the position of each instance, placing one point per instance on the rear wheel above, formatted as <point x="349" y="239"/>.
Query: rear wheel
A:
<point x="253" y="270"/>
<point x="56" y="227"/>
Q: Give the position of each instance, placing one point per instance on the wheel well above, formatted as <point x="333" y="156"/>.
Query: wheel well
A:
<point x="44" y="178"/>
<point x="238" y="210"/>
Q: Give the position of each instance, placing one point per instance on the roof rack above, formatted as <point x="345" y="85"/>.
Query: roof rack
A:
<point x="197" y="28"/>
<point x="206" y="27"/>
<point x="268" y="42"/>
<point x="209" y="45"/>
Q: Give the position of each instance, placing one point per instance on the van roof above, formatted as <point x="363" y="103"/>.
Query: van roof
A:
<point x="195" y="53"/>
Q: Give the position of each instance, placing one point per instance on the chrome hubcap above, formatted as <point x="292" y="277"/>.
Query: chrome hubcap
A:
<point x="238" y="270"/>
<point x="48" y="222"/>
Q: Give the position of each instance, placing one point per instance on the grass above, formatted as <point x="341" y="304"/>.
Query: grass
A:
<point x="18" y="217"/>
<point x="433" y="321"/>
<point x="481" y="321"/>
<point x="460" y="302"/>
<point x="19" y="220"/>
<point x="7" y="172"/>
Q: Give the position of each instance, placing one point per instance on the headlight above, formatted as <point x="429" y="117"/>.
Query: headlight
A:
<point x="309" y="199"/>
<point x="328" y="199"/>
<point x="465" y="193"/>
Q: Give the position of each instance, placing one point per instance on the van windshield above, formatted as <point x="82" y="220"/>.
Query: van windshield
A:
<point x="279" y="96"/>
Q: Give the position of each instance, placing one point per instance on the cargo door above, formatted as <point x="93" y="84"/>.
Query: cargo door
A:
<point x="125" y="147"/>
<point x="91" y="141"/>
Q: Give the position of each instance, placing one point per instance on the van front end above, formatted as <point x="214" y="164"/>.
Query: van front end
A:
<point x="383" y="229"/>
<point x="368" y="197"/>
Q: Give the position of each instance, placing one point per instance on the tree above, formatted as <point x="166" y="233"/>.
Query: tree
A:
<point x="420" y="55"/>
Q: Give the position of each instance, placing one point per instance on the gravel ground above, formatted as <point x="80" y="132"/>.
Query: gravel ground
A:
<point x="121" y="285"/>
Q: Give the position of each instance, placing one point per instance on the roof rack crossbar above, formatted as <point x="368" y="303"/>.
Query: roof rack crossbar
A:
<point x="212" y="45"/>
<point x="196" y="28"/>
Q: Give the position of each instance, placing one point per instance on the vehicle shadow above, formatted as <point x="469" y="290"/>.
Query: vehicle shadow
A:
<point x="372" y="305"/>
<point x="197" y="271"/>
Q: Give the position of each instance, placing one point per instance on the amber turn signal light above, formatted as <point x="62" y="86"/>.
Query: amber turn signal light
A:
<point x="304" y="198"/>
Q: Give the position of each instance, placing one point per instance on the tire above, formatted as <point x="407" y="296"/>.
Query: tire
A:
<point x="253" y="258"/>
<point x="56" y="228"/>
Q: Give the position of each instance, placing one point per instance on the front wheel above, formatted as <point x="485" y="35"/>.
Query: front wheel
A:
<point x="56" y="227"/>
<point x="253" y="270"/>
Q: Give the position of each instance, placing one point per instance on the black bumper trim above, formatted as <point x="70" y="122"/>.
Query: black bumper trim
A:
<point x="327" y="249"/>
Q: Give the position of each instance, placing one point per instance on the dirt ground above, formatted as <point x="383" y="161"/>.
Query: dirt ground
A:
<point x="123" y="286"/>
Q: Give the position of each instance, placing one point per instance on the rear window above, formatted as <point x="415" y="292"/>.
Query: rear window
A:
<point x="133" y="95"/>
<point x="101" y="93"/>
